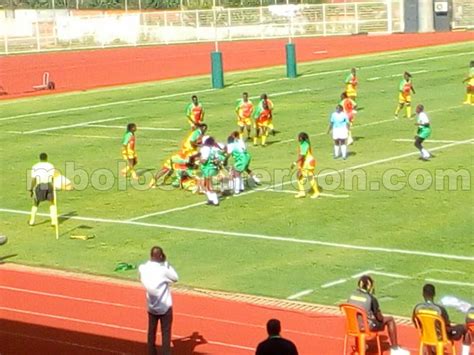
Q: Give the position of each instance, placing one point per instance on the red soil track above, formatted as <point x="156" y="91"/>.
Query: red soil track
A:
<point x="51" y="313"/>
<point x="82" y="70"/>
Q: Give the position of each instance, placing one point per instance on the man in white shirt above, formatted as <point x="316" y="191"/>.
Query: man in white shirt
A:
<point x="42" y="188"/>
<point x="156" y="275"/>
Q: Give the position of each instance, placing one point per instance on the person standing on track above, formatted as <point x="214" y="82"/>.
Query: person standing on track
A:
<point x="156" y="275"/>
<point x="42" y="188"/>
<point x="275" y="344"/>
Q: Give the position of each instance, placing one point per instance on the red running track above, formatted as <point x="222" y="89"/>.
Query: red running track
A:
<point x="82" y="70"/>
<point x="46" y="312"/>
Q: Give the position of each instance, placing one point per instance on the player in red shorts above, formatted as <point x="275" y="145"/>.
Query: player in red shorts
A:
<point x="349" y="106"/>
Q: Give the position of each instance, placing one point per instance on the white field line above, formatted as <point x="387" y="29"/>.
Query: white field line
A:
<point x="396" y="75"/>
<point x="370" y="124"/>
<point x="186" y="315"/>
<point x="375" y="162"/>
<point x="299" y="294"/>
<point x="285" y="239"/>
<point x="167" y="211"/>
<point x="75" y="125"/>
<point x="95" y="136"/>
<point x="325" y="194"/>
<point x="334" y="283"/>
<point x="112" y="326"/>
<point x="115" y="103"/>
<point x="62" y="342"/>
<point x="399" y="278"/>
<point x="122" y="102"/>
<point x="455" y="283"/>
<point x="140" y="128"/>
<point x="278" y="186"/>
<point x="427" y="141"/>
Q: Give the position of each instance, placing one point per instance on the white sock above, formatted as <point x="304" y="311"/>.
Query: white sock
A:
<point x="344" y="151"/>
<point x="209" y="195"/>
<point x="465" y="349"/>
<point x="236" y="185"/>
<point x="336" y="150"/>
<point x="214" y="198"/>
<point x="424" y="153"/>
<point x="242" y="185"/>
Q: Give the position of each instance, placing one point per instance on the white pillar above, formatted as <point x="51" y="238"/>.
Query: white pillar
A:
<point x="425" y="16"/>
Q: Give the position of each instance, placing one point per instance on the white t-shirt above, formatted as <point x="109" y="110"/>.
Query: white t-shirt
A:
<point x="238" y="145"/>
<point x="156" y="278"/>
<point x="43" y="172"/>
<point x="423" y="118"/>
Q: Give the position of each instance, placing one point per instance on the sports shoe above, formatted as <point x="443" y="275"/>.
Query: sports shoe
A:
<point x="315" y="195"/>
<point x="300" y="194"/>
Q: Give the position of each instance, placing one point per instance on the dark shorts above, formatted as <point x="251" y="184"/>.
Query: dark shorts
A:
<point x="43" y="192"/>
<point x="376" y="326"/>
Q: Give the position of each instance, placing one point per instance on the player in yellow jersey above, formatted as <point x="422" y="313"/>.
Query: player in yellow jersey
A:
<point x="470" y="85"/>
<point x="194" y="139"/>
<point x="263" y="121"/>
<point x="306" y="163"/>
<point x="129" y="153"/>
<point x="351" y="84"/>
<point x="405" y="89"/>
<point x="244" y="110"/>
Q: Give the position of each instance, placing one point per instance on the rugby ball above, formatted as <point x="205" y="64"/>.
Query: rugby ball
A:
<point x="3" y="239"/>
<point x="61" y="182"/>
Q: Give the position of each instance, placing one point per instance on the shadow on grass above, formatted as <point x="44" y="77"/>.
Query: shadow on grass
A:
<point x="25" y="338"/>
<point x="3" y="259"/>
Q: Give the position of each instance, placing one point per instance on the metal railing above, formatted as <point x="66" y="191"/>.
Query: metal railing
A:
<point x="49" y="30"/>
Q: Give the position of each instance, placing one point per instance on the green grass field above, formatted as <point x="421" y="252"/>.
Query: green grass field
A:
<point x="261" y="243"/>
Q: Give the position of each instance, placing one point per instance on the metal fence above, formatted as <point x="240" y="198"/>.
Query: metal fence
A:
<point x="67" y="29"/>
<point x="463" y="14"/>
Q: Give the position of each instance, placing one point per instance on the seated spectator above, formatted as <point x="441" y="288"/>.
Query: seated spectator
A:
<point x="454" y="331"/>
<point x="364" y="298"/>
<point x="275" y="344"/>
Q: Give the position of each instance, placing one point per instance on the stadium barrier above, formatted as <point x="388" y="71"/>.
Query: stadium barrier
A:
<point x="46" y="30"/>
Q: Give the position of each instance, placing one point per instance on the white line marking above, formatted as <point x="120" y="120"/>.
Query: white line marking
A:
<point x="220" y="233"/>
<point x="456" y="283"/>
<point x="428" y="141"/>
<point x="113" y="326"/>
<point x="396" y="75"/>
<point x="114" y="103"/>
<point x="278" y="186"/>
<point x="299" y="294"/>
<point x="62" y="342"/>
<point x="320" y="52"/>
<point x="334" y="283"/>
<point x="375" y="162"/>
<point x="96" y="137"/>
<point x="167" y="211"/>
<point x="389" y="274"/>
<point x="443" y="271"/>
<point x="75" y="125"/>
<point x="218" y="320"/>
<point x="140" y="128"/>
<point x="107" y="104"/>
<point x="295" y="192"/>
